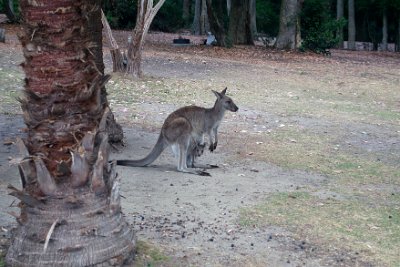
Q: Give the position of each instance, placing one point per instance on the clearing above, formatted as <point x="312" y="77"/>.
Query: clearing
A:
<point x="309" y="166"/>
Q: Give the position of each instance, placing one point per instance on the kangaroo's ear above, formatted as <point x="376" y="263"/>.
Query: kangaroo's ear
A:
<point x="218" y="95"/>
<point x="224" y="91"/>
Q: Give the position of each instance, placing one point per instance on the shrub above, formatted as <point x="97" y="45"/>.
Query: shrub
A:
<point x="318" y="27"/>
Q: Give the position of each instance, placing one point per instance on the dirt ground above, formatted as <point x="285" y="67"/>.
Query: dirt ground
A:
<point x="194" y="220"/>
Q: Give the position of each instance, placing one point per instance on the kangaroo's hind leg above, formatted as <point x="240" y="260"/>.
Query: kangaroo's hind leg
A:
<point x="184" y="146"/>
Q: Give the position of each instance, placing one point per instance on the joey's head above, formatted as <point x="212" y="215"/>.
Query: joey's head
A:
<point x="225" y="101"/>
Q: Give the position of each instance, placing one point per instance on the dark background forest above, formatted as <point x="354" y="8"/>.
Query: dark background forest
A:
<point x="318" y="19"/>
<point x="316" y="15"/>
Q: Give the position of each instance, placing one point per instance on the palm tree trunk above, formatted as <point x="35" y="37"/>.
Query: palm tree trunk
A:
<point x="70" y="205"/>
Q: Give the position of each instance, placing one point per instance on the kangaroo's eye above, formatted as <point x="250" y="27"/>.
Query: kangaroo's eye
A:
<point x="228" y="101"/>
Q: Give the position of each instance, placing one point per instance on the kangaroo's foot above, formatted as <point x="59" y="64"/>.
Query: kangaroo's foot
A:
<point x="213" y="146"/>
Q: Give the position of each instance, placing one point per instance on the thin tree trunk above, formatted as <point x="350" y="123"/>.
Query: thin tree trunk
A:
<point x="398" y="35"/>
<point x="339" y="16"/>
<point x="215" y="12"/>
<point x="289" y="25"/>
<point x="384" y="45"/>
<point x="351" y="44"/>
<point x="196" y="19"/>
<point x="253" y="17"/>
<point x="116" y="55"/>
<point x="70" y="203"/>
<point x="204" y="23"/>
<point x="145" y="15"/>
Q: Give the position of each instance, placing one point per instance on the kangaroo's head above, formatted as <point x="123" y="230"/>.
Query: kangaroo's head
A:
<point x="225" y="101"/>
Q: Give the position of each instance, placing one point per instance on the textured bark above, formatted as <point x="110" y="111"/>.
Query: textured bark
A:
<point x="289" y="25"/>
<point x="70" y="210"/>
<point x="215" y="14"/>
<point x="204" y="23"/>
<point x="114" y="130"/>
<point x="196" y="19"/>
<point x="351" y="44"/>
<point x="339" y="16"/>
<point x="145" y="15"/>
<point x="200" y="21"/>
<point x="240" y="22"/>
<point x="116" y="54"/>
<point x="253" y="17"/>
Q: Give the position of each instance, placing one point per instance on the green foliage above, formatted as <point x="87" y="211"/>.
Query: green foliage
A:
<point x="268" y="16"/>
<point x="318" y="27"/>
<point x="169" y="17"/>
<point x="15" y="8"/>
<point x="122" y="15"/>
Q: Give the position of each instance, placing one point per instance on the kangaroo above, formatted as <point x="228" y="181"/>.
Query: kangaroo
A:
<point x="184" y="126"/>
<point x="195" y="150"/>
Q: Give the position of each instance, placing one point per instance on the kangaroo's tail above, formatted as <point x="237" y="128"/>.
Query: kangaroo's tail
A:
<point x="150" y="158"/>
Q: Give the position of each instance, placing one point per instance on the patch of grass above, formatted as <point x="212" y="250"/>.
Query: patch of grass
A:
<point x="149" y="255"/>
<point x="298" y="149"/>
<point x="2" y="262"/>
<point x="372" y="230"/>
<point x="11" y="85"/>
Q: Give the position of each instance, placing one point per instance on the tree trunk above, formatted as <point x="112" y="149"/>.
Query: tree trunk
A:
<point x="70" y="204"/>
<point x="215" y="12"/>
<point x="114" y="130"/>
<point x="134" y="66"/>
<point x="398" y="35"/>
<point x="2" y="35"/>
<point x="116" y="55"/>
<point x="200" y="21"/>
<point x="289" y="25"/>
<point x="339" y="16"/>
<point x="384" y="45"/>
<point x="351" y="44"/>
<point x="253" y="17"/>
<point x="204" y="23"/>
<point x="187" y="5"/>
<point x="145" y="15"/>
<point x="240" y="23"/>
<point x="196" y="19"/>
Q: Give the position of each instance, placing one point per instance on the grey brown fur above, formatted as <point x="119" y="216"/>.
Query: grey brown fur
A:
<point x="183" y="126"/>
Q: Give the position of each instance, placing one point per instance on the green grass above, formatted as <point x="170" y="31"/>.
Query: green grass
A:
<point x="320" y="153"/>
<point x="371" y="229"/>
<point x="10" y="90"/>
<point x="149" y="255"/>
